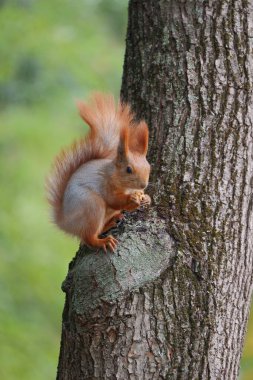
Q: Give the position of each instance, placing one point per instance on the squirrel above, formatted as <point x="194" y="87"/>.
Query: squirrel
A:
<point x="102" y="174"/>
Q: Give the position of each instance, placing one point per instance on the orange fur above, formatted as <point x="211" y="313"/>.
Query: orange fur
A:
<point x="138" y="141"/>
<point x="101" y="112"/>
<point x="115" y="138"/>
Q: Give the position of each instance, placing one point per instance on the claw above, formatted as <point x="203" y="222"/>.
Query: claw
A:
<point x="112" y="243"/>
<point x="112" y="248"/>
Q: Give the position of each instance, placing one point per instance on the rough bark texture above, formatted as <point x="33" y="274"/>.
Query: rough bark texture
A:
<point x="173" y="302"/>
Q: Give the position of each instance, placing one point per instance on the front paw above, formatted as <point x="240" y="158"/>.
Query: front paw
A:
<point x="145" y="200"/>
<point x="136" y="198"/>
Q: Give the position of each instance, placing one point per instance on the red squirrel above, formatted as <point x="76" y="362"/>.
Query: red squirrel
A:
<point x="101" y="175"/>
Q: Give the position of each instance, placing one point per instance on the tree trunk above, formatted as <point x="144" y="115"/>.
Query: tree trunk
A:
<point x="173" y="302"/>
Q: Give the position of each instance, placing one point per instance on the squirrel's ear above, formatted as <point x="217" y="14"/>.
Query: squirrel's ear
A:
<point x="138" y="141"/>
<point x="123" y="145"/>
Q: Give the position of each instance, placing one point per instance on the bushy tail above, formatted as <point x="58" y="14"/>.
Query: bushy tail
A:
<point x="106" y="121"/>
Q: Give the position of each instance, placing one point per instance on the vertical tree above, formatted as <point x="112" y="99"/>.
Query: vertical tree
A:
<point x="173" y="302"/>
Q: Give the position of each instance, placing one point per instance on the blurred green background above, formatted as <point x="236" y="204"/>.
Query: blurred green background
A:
<point x="51" y="53"/>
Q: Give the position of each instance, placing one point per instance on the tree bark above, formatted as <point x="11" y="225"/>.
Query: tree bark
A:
<point x="173" y="302"/>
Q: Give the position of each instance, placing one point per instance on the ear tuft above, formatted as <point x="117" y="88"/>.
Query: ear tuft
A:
<point x="123" y="145"/>
<point x="138" y="139"/>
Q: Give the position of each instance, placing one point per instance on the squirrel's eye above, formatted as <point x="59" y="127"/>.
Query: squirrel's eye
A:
<point x="129" y="170"/>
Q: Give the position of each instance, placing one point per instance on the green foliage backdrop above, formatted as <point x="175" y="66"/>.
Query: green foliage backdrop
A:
<point x="52" y="53"/>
